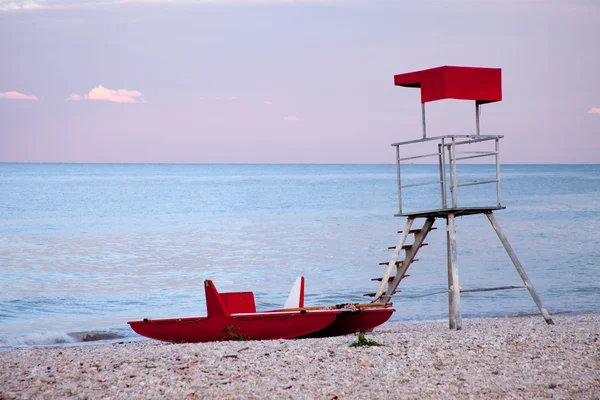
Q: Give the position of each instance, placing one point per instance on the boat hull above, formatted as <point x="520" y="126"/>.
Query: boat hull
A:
<point x="352" y="322"/>
<point x="255" y="326"/>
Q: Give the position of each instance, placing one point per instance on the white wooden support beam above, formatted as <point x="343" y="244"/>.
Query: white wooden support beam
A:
<point x="451" y="319"/>
<point x="519" y="267"/>
<point x="477" y="113"/>
<point x="455" y="315"/>
<point x="423" y="120"/>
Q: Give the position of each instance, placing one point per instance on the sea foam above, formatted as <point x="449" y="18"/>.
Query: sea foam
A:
<point x="38" y="339"/>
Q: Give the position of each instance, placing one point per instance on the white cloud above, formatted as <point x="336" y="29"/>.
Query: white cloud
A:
<point x="232" y="98"/>
<point x="269" y="103"/>
<point x="17" y="96"/>
<point x="100" y="93"/>
<point x="15" y="5"/>
<point x="291" y="119"/>
<point x="594" y="110"/>
<point x="75" y="97"/>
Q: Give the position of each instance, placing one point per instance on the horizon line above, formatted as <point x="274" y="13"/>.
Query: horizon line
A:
<point x="259" y="163"/>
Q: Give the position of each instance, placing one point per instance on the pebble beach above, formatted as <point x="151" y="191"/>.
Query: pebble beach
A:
<point x="507" y="358"/>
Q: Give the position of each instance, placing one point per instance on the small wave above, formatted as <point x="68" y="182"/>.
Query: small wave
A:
<point x="57" y="338"/>
<point x="93" y="336"/>
<point x="38" y="339"/>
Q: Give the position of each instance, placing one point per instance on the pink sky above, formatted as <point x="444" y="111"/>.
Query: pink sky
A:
<point x="277" y="82"/>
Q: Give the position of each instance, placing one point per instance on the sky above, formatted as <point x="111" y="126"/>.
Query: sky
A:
<point x="281" y="81"/>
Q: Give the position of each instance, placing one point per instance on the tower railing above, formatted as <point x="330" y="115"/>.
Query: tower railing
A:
<point x="447" y="156"/>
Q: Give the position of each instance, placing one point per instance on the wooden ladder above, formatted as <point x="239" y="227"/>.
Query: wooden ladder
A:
<point x="390" y="283"/>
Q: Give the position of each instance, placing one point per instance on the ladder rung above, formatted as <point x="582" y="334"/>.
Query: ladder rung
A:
<point x="388" y="263"/>
<point x="406" y="246"/>
<point x="390" y="279"/>
<point x="418" y="230"/>
<point x="397" y="262"/>
<point x="373" y="294"/>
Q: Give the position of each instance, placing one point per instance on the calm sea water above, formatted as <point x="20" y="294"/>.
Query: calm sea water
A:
<point x="84" y="248"/>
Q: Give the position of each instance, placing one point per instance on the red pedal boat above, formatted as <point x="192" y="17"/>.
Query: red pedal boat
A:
<point x="233" y="316"/>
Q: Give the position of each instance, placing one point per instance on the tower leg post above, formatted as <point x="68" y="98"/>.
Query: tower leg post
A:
<point x="455" y="316"/>
<point x="519" y="267"/>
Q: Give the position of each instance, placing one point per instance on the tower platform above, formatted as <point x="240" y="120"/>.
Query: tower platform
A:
<point x="444" y="212"/>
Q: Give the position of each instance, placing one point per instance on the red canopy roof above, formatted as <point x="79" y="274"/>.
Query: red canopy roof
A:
<point x="483" y="85"/>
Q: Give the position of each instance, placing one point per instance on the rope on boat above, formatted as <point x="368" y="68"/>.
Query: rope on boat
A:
<point x="349" y="306"/>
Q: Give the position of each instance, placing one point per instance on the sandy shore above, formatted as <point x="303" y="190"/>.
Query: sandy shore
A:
<point x="495" y="358"/>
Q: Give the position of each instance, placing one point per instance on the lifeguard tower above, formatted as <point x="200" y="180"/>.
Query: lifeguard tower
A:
<point x="481" y="85"/>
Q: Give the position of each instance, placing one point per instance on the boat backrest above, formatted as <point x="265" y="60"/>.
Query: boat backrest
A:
<point x="225" y="304"/>
<point x="239" y="302"/>
<point x="215" y="307"/>
<point x="296" y="296"/>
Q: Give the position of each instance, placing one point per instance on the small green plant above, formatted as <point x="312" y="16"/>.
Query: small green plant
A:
<point x="231" y="335"/>
<point x="362" y="341"/>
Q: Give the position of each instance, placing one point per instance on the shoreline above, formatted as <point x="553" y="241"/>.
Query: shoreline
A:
<point x="108" y="336"/>
<point x="510" y="357"/>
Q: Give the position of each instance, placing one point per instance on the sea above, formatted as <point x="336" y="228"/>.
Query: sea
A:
<point x="84" y="248"/>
